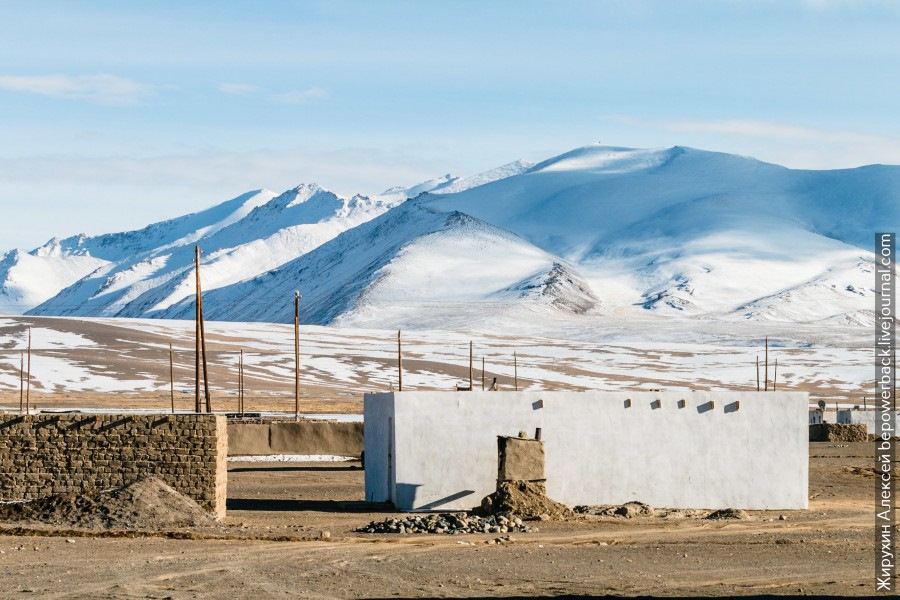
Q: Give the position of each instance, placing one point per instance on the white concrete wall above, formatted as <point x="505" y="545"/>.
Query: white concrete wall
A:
<point x="599" y="450"/>
<point x="378" y="414"/>
<point x="870" y="418"/>
<point x="815" y="417"/>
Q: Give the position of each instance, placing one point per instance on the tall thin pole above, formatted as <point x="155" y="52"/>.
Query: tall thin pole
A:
<point x="197" y="331"/>
<point x="241" y="383"/>
<point x="757" y="372"/>
<point x="172" y="377"/>
<point x="470" y="367"/>
<point x="28" y="378"/>
<point x="296" y="355"/>
<point x="515" y="372"/>
<point x="399" y="363"/>
<point x="203" y="338"/>
<point x="767" y="364"/>
<point x="21" y="382"/>
<point x="775" y="377"/>
<point x="482" y="373"/>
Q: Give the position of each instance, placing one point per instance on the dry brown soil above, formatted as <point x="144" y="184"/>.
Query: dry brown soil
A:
<point x="290" y="533"/>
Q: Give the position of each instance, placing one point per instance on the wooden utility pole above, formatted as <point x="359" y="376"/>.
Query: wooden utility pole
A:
<point x="197" y="331"/>
<point x="482" y="373"/>
<point x="28" y="378"/>
<point x="767" y="364"/>
<point x="296" y="355"/>
<point x="470" y="367"/>
<point x="241" y="383"/>
<point x="21" y="382"/>
<point x="515" y="372"/>
<point x="399" y="363"/>
<point x="775" y="377"/>
<point x="172" y="377"/>
<point x="202" y="335"/>
<point x="757" y="372"/>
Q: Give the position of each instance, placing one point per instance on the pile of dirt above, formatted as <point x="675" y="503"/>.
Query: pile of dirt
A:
<point x="524" y="499"/>
<point x="147" y="504"/>
<point x="728" y="514"/>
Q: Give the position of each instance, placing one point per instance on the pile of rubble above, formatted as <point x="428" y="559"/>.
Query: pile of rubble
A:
<point x="449" y="524"/>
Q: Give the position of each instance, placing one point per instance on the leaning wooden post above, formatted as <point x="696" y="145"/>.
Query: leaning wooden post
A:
<point x="203" y="338"/>
<point x="172" y="377"/>
<point x="197" y="331"/>
<point x="296" y="355"/>
<point x="515" y="372"/>
<point x="767" y="364"/>
<point x="21" y="382"/>
<point x="399" y="363"/>
<point x="28" y="378"/>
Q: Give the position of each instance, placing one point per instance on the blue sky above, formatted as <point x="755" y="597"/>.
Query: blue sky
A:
<point x="114" y="114"/>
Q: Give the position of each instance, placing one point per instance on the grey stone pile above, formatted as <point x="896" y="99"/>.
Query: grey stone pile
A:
<point x="449" y="524"/>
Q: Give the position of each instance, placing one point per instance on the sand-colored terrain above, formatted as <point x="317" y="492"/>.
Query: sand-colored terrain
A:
<point x="290" y="533"/>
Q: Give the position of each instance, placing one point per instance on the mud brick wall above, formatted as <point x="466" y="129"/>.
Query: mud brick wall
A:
<point x="72" y="453"/>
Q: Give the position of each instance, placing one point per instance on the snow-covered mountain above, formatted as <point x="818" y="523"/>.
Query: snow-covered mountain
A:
<point x="595" y="231"/>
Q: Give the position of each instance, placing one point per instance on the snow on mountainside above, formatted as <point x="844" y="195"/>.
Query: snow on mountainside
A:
<point x="595" y="231"/>
<point x="409" y="257"/>
<point x="28" y="279"/>
<point x="267" y="236"/>
<point x="450" y="185"/>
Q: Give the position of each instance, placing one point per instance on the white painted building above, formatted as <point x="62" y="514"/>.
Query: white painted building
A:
<point x="438" y="450"/>
<point x="870" y="418"/>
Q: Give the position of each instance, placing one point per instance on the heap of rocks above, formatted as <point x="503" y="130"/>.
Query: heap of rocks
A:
<point x="449" y="524"/>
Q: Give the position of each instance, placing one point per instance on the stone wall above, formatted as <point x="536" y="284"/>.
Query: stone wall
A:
<point x="838" y="432"/>
<point x="71" y="453"/>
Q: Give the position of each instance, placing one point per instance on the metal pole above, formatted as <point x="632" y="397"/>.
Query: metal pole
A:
<point x="399" y="363"/>
<point x="767" y="364"/>
<point x="515" y="372"/>
<point x="172" y="377"/>
<point x="197" y="331"/>
<point x="241" y="383"/>
<point x="482" y="373"/>
<point x="296" y="355"/>
<point x="28" y="378"/>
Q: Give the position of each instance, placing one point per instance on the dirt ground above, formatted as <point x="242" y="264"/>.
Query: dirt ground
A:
<point x="290" y="533"/>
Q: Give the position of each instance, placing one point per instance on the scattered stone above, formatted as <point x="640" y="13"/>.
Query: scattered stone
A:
<point x="448" y="524"/>
<point x="629" y="510"/>
<point x="728" y="514"/>
<point x="782" y="518"/>
<point x="525" y="499"/>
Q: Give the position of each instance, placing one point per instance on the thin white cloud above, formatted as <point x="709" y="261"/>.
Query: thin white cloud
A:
<point x="238" y="89"/>
<point x="290" y="97"/>
<point x="769" y="129"/>
<point x="101" y="88"/>
<point x="300" y="96"/>
<point x="788" y="144"/>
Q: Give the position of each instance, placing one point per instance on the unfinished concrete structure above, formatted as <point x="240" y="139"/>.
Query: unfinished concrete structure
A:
<point x="438" y="450"/>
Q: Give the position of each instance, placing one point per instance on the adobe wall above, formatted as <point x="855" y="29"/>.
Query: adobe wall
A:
<point x="71" y="453"/>
<point x="301" y="437"/>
